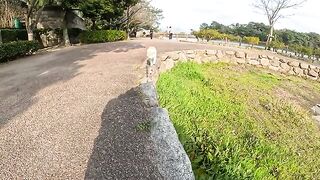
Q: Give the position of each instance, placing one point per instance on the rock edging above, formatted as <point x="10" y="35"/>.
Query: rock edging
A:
<point x="170" y="157"/>
<point x="283" y="65"/>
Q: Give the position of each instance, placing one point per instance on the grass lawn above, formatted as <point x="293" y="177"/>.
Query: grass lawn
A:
<point x="240" y="122"/>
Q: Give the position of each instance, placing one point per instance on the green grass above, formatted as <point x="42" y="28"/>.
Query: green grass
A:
<point x="243" y="122"/>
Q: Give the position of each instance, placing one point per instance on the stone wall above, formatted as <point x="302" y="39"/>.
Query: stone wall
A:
<point x="51" y="19"/>
<point x="283" y="65"/>
<point x="171" y="159"/>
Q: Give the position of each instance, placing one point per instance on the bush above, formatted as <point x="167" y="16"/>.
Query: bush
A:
<point x="9" y="35"/>
<point x="102" y="36"/>
<point x="210" y="34"/>
<point x="9" y="51"/>
<point x="251" y="40"/>
<point x="277" y="45"/>
<point x="316" y="52"/>
<point x="231" y="37"/>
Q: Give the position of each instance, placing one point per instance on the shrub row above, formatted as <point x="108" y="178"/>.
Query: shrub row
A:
<point x="102" y="36"/>
<point x="9" y="51"/>
<point x="9" y="35"/>
<point x="212" y="34"/>
<point x="251" y="40"/>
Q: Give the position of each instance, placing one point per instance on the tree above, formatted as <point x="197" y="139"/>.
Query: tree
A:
<point x="277" y="45"/>
<point x="97" y="10"/>
<point x="138" y="14"/>
<point x="273" y="9"/>
<point x="147" y="17"/>
<point x="251" y="40"/>
<point x="32" y="15"/>
<point x="130" y="11"/>
<point x="204" y="26"/>
<point x="196" y="34"/>
<point x="307" y="51"/>
<point x="207" y="34"/>
<point x="316" y="52"/>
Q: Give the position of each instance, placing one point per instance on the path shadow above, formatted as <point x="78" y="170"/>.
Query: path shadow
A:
<point x="123" y="148"/>
<point x="20" y="80"/>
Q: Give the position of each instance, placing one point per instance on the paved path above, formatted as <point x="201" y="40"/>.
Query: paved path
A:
<point x="68" y="114"/>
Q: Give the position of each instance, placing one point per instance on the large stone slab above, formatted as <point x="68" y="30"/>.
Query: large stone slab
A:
<point x="294" y="64"/>
<point x="298" y="71"/>
<point x="284" y="60"/>
<point x="175" y="56"/>
<point x="270" y="57"/>
<point x="241" y="55"/>
<point x="264" y="62"/>
<point x="241" y="60"/>
<point x="219" y="54"/>
<point x="304" y="65"/>
<point x="313" y="67"/>
<point x="285" y="67"/>
<point x="211" y="52"/>
<point x="254" y="62"/>
<point x="252" y="57"/>
<point x="190" y="52"/>
<point x="263" y="56"/>
<point x="273" y="68"/>
<point x="164" y="57"/>
<point x="182" y="57"/>
<point x="191" y="56"/>
<point x="169" y="64"/>
<point x="230" y="53"/>
<point x="275" y="63"/>
<point x="313" y="73"/>
<point x="170" y="158"/>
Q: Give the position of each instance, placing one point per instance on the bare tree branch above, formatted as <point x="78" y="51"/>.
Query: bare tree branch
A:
<point x="273" y="10"/>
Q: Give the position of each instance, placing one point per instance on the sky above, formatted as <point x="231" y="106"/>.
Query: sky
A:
<point x="184" y="15"/>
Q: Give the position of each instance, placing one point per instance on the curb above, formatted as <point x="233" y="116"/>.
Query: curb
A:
<point x="171" y="159"/>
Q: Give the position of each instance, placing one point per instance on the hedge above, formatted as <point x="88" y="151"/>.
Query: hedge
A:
<point x="9" y="51"/>
<point x="9" y="35"/>
<point x="102" y="36"/>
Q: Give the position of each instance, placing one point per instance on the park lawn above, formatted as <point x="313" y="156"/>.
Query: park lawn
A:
<point x="240" y="122"/>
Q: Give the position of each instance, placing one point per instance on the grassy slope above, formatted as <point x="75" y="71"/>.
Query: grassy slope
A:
<point x="243" y="123"/>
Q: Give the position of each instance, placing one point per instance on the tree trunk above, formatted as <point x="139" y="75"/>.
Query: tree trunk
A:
<point x="32" y="21"/>
<point x="93" y="25"/>
<point x="0" y="37"/>
<point x="65" y="31"/>
<point x="29" y="30"/>
<point x="270" y="37"/>
<point x="128" y="23"/>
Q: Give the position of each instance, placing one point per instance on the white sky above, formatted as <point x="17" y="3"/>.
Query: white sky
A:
<point x="184" y="15"/>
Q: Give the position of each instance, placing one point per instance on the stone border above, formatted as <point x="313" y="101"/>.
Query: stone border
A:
<point x="170" y="157"/>
<point x="283" y="65"/>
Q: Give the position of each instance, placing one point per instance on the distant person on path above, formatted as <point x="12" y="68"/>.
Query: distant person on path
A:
<point x="170" y="33"/>
<point x="151" y="33"/>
